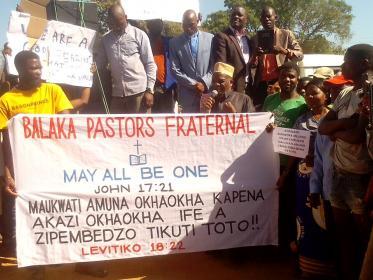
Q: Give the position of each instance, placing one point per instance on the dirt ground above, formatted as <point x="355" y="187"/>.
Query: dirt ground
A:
<point x="247" y="263"/>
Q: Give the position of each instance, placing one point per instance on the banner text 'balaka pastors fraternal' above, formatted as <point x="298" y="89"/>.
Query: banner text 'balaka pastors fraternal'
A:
<point x="121" y="186"/>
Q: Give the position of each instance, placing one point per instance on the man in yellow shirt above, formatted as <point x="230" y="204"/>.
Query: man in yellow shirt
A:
<point x="30" y="96"/>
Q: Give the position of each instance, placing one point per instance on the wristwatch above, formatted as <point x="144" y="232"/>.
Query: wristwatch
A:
<point x="149" y="90"/>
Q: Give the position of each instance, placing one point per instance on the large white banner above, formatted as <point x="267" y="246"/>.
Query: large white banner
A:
<point x="144" y="9"/>
<point x="95" y="187"/>
<point x="66" y="53"/>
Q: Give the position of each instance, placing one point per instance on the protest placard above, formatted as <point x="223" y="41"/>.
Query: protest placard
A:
<point x="23" y="31"/>
<point x="66" y="53"/>
<point x="110" y="187"/>
<point x="65" y="50"/>
<point x="291" y="142"/>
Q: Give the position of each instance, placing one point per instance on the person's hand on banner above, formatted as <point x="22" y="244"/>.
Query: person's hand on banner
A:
<point x="10" y="186"/>
<point x="270" y="127"/>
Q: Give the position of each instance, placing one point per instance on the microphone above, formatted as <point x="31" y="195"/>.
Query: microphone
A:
<point x="212" y="94"/>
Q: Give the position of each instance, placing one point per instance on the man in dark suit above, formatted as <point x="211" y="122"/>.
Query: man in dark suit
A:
<point x="232" y="46"/>
<point x="227" y="100"/>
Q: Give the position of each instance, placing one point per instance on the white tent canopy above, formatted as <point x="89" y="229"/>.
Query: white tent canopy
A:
<point x="171" y="10"/>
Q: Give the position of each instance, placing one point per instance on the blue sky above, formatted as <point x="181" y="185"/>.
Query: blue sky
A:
<point x="361" y="25"/>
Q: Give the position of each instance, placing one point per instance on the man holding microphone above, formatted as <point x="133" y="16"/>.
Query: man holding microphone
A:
<point x="222" y="99"/>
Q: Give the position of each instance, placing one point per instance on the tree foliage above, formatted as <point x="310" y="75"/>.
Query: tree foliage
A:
<point x="172" y="29"/>
<point x="217" y="21"/>
<point x="102" y="7"/>
<point x="321" y="26"/>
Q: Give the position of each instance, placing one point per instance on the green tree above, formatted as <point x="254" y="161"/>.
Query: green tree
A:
<point x="321" y="26"/>
<point x="172" y="29"/>
<point x="319" y="44"/>
<point x="217" y="21"/>
<point x="102" y="7"/>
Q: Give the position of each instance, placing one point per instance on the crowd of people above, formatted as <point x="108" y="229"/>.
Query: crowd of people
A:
<point x="325" y="198"/>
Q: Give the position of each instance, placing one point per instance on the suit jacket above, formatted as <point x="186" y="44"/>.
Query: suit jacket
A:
<point x="285" y="39"/>
<point x="187" y="72"/>
<point x="240" y="101"/>
<point x="226" y="49"/>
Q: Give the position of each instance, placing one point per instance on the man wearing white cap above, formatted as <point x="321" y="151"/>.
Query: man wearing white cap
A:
<point x="226" y="100"/>
<point x="324" y="73"/>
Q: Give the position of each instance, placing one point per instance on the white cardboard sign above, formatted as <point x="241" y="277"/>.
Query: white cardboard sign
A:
<point x="65" y="50"/>
<point x="66" y="53"/>
<point x="291" y="142"/>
